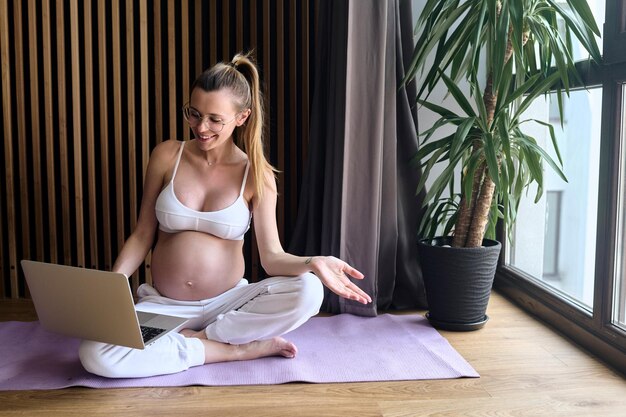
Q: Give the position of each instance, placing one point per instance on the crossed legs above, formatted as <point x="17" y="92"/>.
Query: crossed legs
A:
<point x="243" y="323"/>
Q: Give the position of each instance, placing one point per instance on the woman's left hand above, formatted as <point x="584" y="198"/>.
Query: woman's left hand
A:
<point x="333" y="274"/>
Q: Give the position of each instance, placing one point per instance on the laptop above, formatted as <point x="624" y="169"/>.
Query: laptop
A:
<point x="93" y="305"/>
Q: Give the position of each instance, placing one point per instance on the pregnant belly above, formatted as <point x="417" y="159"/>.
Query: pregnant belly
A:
<point x="195" y="265"/>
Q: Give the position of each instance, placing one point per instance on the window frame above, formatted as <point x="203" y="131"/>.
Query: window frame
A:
<point x="595" y="331"/>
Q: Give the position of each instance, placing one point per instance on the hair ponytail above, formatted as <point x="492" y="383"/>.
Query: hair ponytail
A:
<point x="250" y="135"/>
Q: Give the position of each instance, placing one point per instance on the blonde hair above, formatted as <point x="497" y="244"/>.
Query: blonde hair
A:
<point x="241" y="77"/>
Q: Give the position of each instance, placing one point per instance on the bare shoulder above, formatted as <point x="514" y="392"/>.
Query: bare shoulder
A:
<point x="162" y="159"/>
<point x="269" y="185"/>
<point x="269" y="181"/>
<point x="166" y="150"/>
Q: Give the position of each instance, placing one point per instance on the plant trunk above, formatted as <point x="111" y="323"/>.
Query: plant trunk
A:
<point x="466" y="212"/>
<point x="480" y="216"/>
<point x="469" y="230"/>
<point x="490" y="98"/>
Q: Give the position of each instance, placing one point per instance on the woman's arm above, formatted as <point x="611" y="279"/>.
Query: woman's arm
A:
<point x="141" y="240"/>
<point x="276" y="262"/>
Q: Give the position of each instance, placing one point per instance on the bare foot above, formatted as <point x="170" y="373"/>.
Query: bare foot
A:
<point x="220" y="352"/>
<point x="271" y="347"/>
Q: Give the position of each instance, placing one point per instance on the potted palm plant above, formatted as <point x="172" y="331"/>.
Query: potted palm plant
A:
<point x="524" y="49"/>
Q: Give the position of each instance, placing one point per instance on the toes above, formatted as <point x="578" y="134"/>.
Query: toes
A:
<point x="286" y="348"/>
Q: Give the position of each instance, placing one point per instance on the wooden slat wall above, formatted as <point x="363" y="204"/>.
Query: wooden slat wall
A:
<point x="90" y="87"/>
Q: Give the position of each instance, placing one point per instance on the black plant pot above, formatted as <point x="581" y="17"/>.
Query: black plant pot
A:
<point x="458" y="282"/>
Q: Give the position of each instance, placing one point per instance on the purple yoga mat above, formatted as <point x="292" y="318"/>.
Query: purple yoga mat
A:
<point x="341" y="348"/>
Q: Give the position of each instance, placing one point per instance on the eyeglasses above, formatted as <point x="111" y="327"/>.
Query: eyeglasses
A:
<point x="195" y="119"/>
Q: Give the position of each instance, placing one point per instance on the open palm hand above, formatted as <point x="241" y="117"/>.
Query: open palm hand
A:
<point x="333" y="273"/>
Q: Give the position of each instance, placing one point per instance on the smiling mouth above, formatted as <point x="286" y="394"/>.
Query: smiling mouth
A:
<point x="206" y="138"/>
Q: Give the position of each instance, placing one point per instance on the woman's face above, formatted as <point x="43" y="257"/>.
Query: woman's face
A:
<point x="213" y="117"/>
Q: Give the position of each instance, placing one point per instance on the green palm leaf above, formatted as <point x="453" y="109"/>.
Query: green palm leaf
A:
<point x="454" y="39"/>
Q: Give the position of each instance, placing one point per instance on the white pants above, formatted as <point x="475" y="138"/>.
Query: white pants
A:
<point x="243" y="314"/>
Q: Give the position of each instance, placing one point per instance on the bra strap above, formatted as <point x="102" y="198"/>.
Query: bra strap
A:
<point x="245" y="177"/>
<point x="180" y="153"/>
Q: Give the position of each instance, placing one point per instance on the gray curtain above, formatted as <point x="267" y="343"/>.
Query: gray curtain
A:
<point x="358" y="197"/>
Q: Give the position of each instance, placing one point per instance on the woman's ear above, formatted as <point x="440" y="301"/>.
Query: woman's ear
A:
<point x="243" y="116"/>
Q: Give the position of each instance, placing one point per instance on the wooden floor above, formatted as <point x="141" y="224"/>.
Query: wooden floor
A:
<point x="526" y="370"/>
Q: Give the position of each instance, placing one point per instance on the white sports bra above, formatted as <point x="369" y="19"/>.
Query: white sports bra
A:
<point x="230" y="223"/>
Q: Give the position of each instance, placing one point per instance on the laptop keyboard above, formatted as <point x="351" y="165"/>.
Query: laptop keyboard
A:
<point x="150" y="332"/>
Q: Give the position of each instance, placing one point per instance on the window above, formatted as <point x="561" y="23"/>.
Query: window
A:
<point x="566" y="260"/>
<point x="554" y="240"/>
<point x="619" y="288"/>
